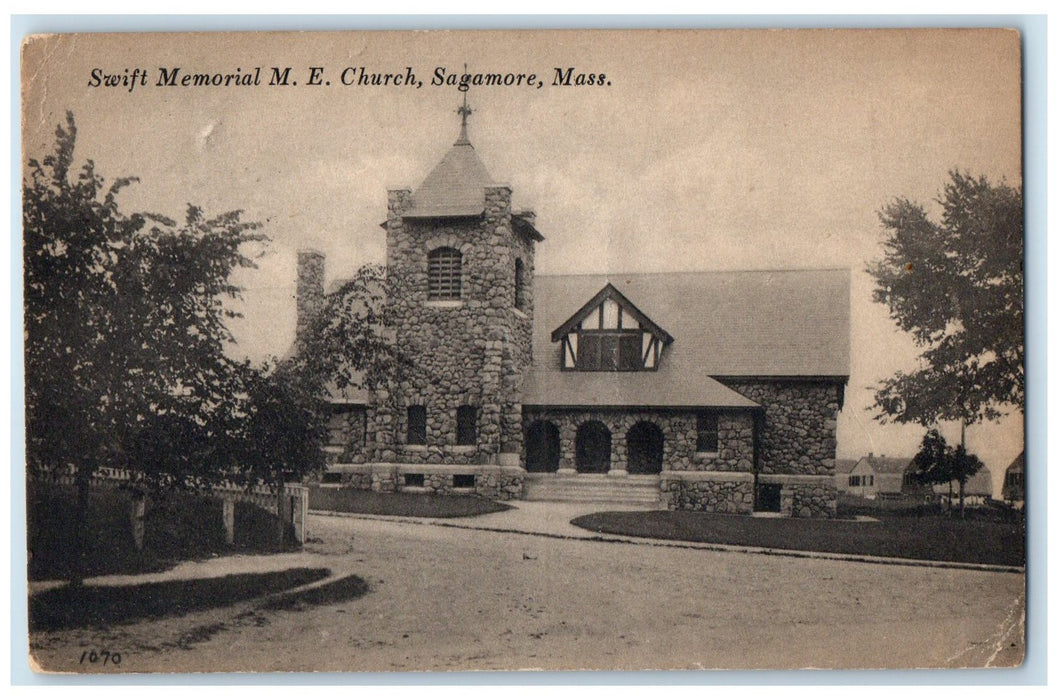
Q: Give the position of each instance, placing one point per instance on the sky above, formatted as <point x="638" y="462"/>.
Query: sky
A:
<point x="701" y="151"/>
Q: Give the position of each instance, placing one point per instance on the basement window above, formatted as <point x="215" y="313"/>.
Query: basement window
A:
<point x="415" y="480"/>
<point x="463" y="481"/>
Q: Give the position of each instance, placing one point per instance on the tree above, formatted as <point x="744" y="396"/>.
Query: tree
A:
<point x="348" y="343"/>
<point x="938" y="463"/>
<point x="957" y="286"/>
<point x="124" y="327"/>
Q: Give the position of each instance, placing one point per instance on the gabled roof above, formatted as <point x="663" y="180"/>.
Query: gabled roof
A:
<point x="1018" y="465"/>
<point x="887" y="465"/>
<point x="609" y="292"/>
<point x="454" y="188"/>
<point x="782" y="323"/>
<point x="844" y="466"/>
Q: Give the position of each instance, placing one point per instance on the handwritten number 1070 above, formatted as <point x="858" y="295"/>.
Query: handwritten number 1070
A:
<point x="95" y="657"/>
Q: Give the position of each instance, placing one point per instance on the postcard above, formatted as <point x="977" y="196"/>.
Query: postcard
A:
<point x="524" y="350"/>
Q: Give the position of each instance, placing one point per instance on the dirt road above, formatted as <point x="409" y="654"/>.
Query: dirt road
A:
<point x="450" y="599"/>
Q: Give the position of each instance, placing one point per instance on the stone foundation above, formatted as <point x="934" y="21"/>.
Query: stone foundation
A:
<point x="712" y="492"/>
<point x="496" y="482"/>
<point x="805" y="496"/>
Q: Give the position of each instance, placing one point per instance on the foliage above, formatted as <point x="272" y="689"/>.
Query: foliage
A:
<point x="347" y="344"/>
<point x="932" y="464"/>
<point x="125" y="323"/>
<point x="957" y="286"/>
<point x="938" y="463"/>
<point x="124" y="327"/>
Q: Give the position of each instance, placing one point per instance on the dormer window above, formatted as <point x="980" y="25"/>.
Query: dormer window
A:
<point x="609" y="334"/>
<point x="445" y="275"/>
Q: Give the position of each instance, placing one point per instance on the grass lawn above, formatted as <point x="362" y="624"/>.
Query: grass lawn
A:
<point x="421" y="505"/>
<point x="979" y="539"/>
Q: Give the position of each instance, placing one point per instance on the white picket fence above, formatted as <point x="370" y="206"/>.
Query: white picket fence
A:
<point x="293" y="508"/>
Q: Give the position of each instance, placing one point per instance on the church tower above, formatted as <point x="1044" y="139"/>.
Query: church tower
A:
<point x="462" y="308"/>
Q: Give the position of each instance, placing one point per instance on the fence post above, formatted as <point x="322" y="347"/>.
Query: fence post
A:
<point x="229" y="520"/>
<point x="138" y="514"/>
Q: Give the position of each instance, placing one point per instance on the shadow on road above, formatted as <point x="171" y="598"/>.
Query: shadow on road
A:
<point x="101" y="606"/>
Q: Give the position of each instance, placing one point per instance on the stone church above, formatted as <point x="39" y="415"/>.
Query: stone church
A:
<point x="713" y="391"/>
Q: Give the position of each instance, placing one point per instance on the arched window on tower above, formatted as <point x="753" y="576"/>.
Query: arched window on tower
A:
<point x="519" y="284"/>
<point x="445" y="274"/>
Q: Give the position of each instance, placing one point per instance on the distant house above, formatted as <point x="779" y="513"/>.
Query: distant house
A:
<point x="1014" y="480"/>
<point x="870" y="476"/>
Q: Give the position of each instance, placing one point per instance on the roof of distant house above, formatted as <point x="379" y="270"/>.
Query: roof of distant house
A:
<point x="844" y="466"/>
<point x="887" y="465"/>
<point x="1018" y="465"/>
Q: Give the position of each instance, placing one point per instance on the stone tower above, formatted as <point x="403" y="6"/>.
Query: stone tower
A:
<point x="463" y="312"/>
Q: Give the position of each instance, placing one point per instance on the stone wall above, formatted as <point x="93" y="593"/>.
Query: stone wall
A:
<point x="679" y="428"/>
<point x="347" y="434"/>
<point x="809" y="501"/>
<point x="501" y="483"/>
<point x="797" y="433"/>
<point x="714" y="492"/>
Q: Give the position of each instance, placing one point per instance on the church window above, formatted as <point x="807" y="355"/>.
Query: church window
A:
<point x="445" y="274"/>
<point x="416" y="425"/>
<point x="708" y="432"/>
<point x="466" y="425"/>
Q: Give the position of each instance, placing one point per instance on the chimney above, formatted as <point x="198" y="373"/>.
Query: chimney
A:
<point x="310" y="289"/>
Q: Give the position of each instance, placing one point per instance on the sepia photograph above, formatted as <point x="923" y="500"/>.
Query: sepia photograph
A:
<point x="539" y="350"/>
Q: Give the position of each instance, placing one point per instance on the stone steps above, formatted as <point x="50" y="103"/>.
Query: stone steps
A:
<point x="592" y="488"/>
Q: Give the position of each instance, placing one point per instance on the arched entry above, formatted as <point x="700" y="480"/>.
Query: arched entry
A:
<point x="542" y="447"/>
<point x="593" y="448"/>
<point x="646" y="448"/>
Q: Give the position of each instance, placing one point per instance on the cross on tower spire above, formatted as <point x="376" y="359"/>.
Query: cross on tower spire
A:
<point x="463" y="111"/>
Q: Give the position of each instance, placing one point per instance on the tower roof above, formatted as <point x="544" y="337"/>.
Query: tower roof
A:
<point x="456" y="185"/>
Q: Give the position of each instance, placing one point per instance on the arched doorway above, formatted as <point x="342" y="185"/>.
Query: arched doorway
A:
<point x="542" y="447"/>
<point x="646" y="448"/>
<point x="593" y="448"/>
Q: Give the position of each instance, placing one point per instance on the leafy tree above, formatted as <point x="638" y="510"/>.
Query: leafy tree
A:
<point x="938" y="463"/>
<point x="930" y="464"/>
<point x="124" y="328"/>
<point x="347" y="344"/>
<point x="957" y="286"/>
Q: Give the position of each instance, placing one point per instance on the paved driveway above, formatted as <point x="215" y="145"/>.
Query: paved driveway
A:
<point x="457" y="599"/>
